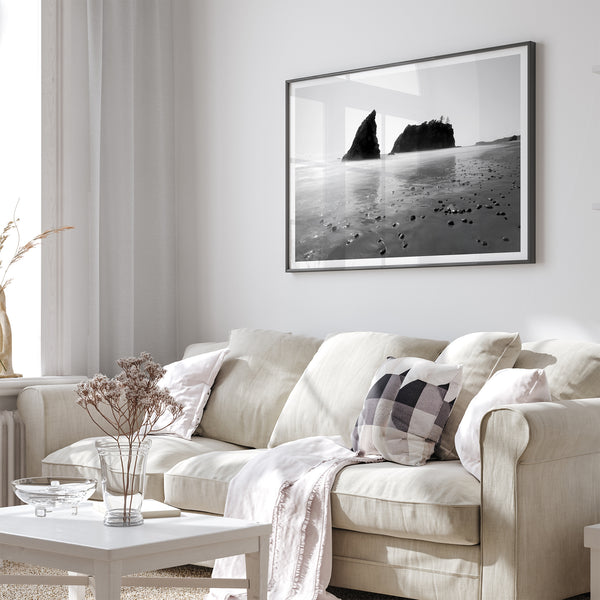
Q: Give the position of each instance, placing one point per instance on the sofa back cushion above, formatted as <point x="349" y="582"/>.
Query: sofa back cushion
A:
<point x="203" y="348"/>
<point x="481" y="354"/>
<point x="329" y="396"/>
<point x="572" y="367"/>
<point x="253" y="384"/>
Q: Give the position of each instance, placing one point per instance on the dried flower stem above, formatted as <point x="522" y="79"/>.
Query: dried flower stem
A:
<point x="128" y="406"/>
<point x="20" y="250"/>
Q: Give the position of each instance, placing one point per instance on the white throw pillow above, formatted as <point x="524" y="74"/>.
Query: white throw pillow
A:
<point x="481" y="354"/>
<point x="508" y="386"/>
<point x="189" y="382"/>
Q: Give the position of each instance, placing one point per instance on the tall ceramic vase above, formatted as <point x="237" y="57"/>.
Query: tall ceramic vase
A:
<point x="123" y="479"/>
<point x="6" y="368"/>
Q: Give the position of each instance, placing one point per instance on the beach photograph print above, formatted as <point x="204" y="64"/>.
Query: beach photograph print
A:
<point x="422" y="163"/>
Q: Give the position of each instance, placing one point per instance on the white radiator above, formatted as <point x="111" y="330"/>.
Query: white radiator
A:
<point x="12" y="454"/>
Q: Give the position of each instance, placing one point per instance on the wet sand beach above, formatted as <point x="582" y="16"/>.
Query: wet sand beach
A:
<point x="439" y="202"/>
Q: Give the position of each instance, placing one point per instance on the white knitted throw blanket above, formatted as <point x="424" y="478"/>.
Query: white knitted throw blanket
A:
<point x="289" y="486"/>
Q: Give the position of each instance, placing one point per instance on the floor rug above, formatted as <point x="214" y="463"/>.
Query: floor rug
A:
<point x="33" y="592"/>
<point x="58" y="592"/>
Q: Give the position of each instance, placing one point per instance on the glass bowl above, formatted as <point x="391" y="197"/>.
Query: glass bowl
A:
<point x="46" y="493"/>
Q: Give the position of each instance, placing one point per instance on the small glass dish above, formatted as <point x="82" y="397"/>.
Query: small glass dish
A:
<point x="46" y="493"/>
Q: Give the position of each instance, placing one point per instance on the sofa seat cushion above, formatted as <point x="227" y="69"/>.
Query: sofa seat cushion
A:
<point x="80" y="459"/>
<point x="201" y="482"/>
<point x="437" y="502"/>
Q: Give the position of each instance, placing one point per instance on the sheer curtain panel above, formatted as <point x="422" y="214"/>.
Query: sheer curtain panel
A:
<point x="112" y="291"/>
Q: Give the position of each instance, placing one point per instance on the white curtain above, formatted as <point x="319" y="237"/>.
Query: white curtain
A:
<point x="116" y="184"/>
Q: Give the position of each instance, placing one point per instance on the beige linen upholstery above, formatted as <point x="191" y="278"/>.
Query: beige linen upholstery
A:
<point x="203" y="348"/>
<point x="52" y="421"/>
<point x="540" y="488"/>
<point x="253" y="384"/>
<point x="406" y="568"/>
<point x="80" y="459"/>
<point x="330" y="394"/>
<point x="201" y="482"/>
<point x="481" y="354"/>
<point x="435" y="502"/>
<point x="572" y="367"/>
<point x="438" y="502"/>
<point x="508" y="386"/>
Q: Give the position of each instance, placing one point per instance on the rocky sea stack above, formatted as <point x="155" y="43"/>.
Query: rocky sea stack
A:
<point x="429" y="135"/>
<point x="365" y="144"/>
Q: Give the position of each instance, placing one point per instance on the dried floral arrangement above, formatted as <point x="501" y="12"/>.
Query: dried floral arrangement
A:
<point x="20" y="249"/>
<point x="130" y="404"/>
<point x="126" y="408"/>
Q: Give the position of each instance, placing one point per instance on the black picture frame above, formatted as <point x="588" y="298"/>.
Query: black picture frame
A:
<point x="429" y="162"/>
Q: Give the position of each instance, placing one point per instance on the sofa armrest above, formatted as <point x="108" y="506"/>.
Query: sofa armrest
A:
<point x="540" y="487"/>
<point x="52" y="421"/>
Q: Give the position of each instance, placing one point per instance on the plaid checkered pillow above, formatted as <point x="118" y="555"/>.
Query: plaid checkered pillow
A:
<point x="406" y="409"/>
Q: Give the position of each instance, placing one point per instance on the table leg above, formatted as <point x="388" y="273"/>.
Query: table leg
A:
<point x="595" y="574"/>
<point x="107" y="580"/>
<point x="257" y="566"/>
<point x="76" y="592"/>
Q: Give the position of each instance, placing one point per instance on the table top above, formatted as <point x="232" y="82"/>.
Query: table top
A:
<point x="86" y="535"/>
<point x="591" y="536"/>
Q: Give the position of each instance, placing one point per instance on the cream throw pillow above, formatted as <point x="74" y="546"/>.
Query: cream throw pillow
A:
<point x="572" y="367"/>
<point x="481" y="355"/>
<point x="260" y="371"/>
<point x="189" y="382"/>
<point x="509" y="386"/>
<point x="329" y="396"/>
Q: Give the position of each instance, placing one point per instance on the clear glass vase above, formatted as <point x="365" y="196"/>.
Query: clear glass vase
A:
<point x="123" y="478"/>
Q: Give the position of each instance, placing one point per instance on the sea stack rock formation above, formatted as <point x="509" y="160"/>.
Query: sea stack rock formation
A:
<point x="429" y="135"/>
<point x="365" y="144"/>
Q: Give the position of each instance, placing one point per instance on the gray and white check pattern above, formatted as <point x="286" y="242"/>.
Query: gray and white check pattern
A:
<point x="406" y="409"/>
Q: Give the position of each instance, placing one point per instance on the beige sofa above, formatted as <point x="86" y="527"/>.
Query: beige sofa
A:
<point x="432" y="532"/>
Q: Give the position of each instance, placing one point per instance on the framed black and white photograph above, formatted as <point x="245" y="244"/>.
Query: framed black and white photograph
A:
<point x="421" y="163"/>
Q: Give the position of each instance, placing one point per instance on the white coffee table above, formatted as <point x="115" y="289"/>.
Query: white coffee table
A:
<point x="83" y="544"/>
<point x="591" y="540"/>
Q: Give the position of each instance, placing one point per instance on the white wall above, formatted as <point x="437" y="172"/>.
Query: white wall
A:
<point x="233" y="59"/>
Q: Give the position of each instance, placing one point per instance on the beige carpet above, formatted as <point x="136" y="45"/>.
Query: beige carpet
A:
<point x="34" y="592"/>
<point x="58" y="592"/>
